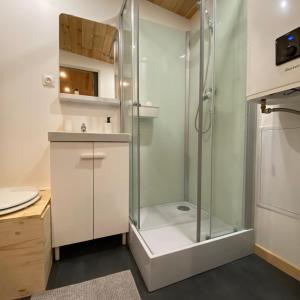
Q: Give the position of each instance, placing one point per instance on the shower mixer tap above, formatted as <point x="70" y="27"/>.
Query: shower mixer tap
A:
<point x="207" y="94"/>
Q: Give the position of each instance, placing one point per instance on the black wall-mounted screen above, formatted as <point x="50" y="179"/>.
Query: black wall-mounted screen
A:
<point x="288" y="47"/>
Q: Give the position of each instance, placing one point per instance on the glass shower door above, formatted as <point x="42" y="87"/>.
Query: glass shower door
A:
<point x="224" y="117"/>
<point x="230" y="118"/>
<point x="201" y="118"/>
<point x="187" y="164"/>
<point x="168" y="214"/>
<point x="128" y="25"/>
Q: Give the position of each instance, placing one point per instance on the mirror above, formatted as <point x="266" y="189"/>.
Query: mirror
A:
<point x="79" y="82"/>
<point x="87" y="59"/>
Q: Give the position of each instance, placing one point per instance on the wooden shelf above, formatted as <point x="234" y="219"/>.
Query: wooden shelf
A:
<point x="72" y="98"/>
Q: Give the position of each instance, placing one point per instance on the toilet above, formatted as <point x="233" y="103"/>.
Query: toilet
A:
<point x="16" y="198"/>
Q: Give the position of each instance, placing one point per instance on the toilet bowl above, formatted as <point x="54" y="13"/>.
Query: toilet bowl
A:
<point x="16" y="198"/>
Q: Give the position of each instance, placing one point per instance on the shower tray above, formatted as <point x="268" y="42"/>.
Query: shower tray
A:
<point x="165" y="268"/>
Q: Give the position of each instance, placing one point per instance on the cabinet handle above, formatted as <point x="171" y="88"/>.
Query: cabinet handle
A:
<point x="99" y="155"/>
<point x="86" y="156"/>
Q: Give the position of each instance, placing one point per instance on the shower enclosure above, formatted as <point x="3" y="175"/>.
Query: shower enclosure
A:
<point x="190" y="189"/>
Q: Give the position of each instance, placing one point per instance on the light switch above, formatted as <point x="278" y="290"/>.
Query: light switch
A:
<point x="48" y="80"/>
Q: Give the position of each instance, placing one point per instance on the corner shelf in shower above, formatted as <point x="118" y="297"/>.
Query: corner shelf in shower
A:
<point x="146" y="111"/>
<point x="90" y="100"/>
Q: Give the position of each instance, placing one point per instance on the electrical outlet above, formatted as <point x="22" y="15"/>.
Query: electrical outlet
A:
<point x="48" y="80"/>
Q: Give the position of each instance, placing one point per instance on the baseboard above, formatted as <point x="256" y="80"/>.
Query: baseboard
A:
<point x="277" y="262"/>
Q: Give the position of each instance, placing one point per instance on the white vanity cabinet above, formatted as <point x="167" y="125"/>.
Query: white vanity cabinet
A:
<point x="111" y="189"/>
<point x="90" y="188"/>
<point x="72" y="183"/>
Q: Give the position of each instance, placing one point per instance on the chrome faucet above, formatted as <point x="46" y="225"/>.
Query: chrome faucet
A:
<point x="83" y="127"/>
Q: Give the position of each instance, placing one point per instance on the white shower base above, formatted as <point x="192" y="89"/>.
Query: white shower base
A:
<point x="164" y="228"/>
<point x="166" y="251"/>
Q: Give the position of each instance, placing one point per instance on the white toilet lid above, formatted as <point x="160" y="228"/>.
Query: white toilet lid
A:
<point x="15" y="196"/>
<point x="19" y="207"/>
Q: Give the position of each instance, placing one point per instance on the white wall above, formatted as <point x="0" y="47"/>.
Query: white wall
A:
<point x="29" y="48"/>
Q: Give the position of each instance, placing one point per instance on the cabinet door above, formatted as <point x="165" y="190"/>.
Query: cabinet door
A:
<point x="72" y="192"/>
<point x="111" y="188"/>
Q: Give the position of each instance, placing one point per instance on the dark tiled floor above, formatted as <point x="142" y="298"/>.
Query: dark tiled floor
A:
<point x="248" y="278"/>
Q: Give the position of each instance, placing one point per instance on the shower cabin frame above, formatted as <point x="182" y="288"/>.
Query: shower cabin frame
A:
<point x="160" y="270"/>
<point x="135" y="94"/>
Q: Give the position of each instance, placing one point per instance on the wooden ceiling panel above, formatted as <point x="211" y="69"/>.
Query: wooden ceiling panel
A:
<point x="87" y="38"/>
<point x="184" y="8"/>
<point x="87" y="34"/>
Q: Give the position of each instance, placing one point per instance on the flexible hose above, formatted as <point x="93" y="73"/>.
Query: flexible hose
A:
<point x="268" y="110"/>
<point x="288" y="110"/>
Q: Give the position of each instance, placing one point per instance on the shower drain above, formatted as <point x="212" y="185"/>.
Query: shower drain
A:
<point x="183" y="208"/>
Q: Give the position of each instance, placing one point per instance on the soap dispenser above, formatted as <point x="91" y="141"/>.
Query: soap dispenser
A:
<point x="108" y="125"/>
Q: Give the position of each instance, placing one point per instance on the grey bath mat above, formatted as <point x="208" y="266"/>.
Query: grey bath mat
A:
<point x="119" y="286"/>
